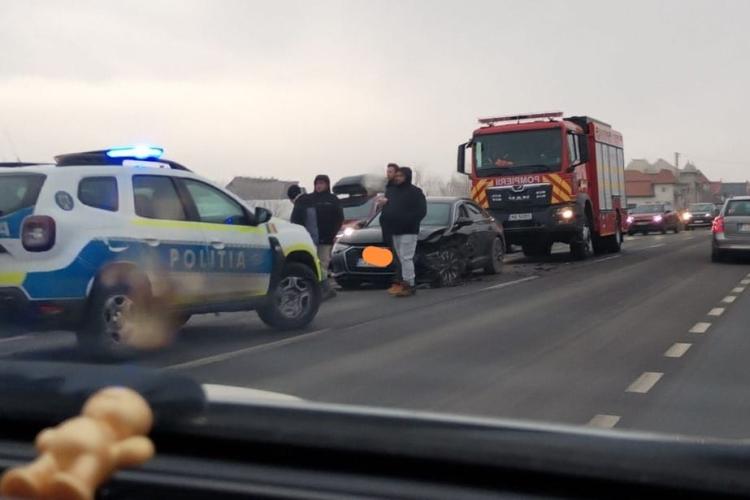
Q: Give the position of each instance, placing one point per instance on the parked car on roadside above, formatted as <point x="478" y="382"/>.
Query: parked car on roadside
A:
<point x="731" y="228"/>
<point x="456" y="237"/>
<point x="699" y="215"/>
<point x="653" y="217"/>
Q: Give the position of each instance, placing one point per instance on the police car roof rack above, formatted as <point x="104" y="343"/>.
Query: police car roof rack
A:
<point x="102" y="158"/>
<point x="14" y="164"/>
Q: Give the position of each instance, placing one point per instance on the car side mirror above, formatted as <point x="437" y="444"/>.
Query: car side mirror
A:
<point x="462" y="222"/>
<point x="262" y="215"/>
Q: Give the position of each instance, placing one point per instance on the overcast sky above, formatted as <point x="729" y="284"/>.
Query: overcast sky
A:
<point x="296" y="88"/>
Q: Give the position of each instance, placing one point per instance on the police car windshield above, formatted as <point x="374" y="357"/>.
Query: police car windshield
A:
<point x="19" y="191"/>
<point x="518" y="152"/>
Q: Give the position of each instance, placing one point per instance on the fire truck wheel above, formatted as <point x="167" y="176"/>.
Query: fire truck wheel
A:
<point x="582" y="247"/>
<point x="614" y="242"/>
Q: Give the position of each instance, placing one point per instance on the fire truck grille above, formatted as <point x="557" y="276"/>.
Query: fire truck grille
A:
<point x="509" y="198"/>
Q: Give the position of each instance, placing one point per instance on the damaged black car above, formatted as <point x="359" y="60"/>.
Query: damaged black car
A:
<point x="457" y="238"/>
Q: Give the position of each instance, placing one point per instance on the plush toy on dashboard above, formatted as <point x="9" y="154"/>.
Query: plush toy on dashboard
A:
<point x="83" y="452"/>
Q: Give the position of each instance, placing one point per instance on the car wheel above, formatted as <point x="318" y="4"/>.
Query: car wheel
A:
<point x="119" y="323"/>
<point x="495" y="263"/>
<point x="614" y="242"/>
<point x="583" y="246"/>
<point x="447" y="267"/>
<point x="295" y="300"/>
<point x="348" y="283"/>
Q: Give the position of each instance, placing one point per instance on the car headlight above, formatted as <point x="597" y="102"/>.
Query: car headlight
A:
<point x="658" y="218"/>
<point x="687" y="216"/>
<point x="566" y="213"/>
<point x="630" y="219"/>
<point x="340" y="247"/>
<point x="708" y="215"/>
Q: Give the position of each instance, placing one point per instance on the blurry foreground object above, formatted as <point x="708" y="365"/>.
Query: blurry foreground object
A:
<point x="377" y="256"/>
<point x="84" y="451"/>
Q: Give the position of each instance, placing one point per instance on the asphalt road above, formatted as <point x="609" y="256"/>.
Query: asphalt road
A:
<point x="624" y="340"/>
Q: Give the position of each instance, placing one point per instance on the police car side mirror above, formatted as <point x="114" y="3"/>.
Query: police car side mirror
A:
<point x="262" y="215"/>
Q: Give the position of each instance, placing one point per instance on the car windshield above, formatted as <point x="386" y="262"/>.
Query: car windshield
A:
<point x="703" y="207"/>
<point x="518" y="152"/>
<point x="357" y="207"/>
<point x="647" y="209"/>
<point x="196" y="189"/>
<point x="18" y="191"/>
<point x="738" y="208"/>
<point x="438" y="214"/>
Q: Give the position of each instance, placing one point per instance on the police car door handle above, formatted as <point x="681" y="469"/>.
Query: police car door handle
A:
<point x="218" y="245"/>
<point x="152" y="242"/>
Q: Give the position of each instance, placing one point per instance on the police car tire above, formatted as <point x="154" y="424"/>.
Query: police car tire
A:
<point x="92" y="337"/>
<point x="270" y="314"/>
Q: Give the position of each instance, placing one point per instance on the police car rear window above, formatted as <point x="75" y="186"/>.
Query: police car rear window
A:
<point x="99" y="192"/>
<point x="19" y="191"/>
<point x="155" y="197"/>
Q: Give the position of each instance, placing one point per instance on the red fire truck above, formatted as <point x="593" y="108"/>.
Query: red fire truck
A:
<point x="550" y="179"/>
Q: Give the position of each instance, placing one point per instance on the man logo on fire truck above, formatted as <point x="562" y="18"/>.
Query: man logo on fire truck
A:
<point x="550" y="179"/>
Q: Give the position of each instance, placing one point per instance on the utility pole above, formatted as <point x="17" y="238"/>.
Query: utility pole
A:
<point x="677" y="160"/>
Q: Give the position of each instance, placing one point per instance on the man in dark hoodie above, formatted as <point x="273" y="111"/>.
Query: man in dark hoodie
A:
<point x="402" y="213"/>
<point x="390" y="174"/>
<point x="325" y="208"/>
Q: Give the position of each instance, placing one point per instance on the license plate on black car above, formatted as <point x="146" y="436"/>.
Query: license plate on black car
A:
<point x="515" y="217"/>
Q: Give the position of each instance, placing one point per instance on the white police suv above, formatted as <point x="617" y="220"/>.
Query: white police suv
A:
<point x="123" y="246"/>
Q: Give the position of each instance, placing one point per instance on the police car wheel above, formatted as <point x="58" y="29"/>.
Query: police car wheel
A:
<point x="497" y="253"/>
<point x="295" y="300"/>
<point x="110" y="324"/>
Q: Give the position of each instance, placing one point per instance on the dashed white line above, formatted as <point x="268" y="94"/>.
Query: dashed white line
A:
<point x="677" y="350"/>
<point x="745" y="282"/>
<point x="16" y="337"/>
<point x="716" y="311"/>
<point x="738" y="289"/>
<point x="233" y="354"/>
<point x="700" y="327"/>
<point x="645" y="382"/>
<point x="608" y="258"/>
<point x="510" y="283"/>
<point x="604" y="421"/>
<point x="729" y="299"/>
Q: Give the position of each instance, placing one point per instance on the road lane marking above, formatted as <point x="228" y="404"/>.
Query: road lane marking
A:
<point x="217" y="358"/>
<point x="654" y="246"/>
<point x="604" y="421"/>
<point x="510" y="283"/>
<point x="729" y="299"/>
<point x="745" y="282"/>
<point x="608" y="258"/>
<point x="645" y="382"/>
<point x="716" y="311"/>
<point x="677" y="350"/>
<point x="738" y="289"/>
<point x="700" y="327"/>
<point x="16" y="337"/>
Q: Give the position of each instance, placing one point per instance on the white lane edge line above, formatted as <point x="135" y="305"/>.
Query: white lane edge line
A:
<point x="16" y="337"/>
<point x="608" y="258"/>
<point x="745" y="282"/>
<point x="716" y="311"/>
<point x="239" y="352"/>
<point x="738" y="289"/>
<point x="510" y="283"/>
<point x="677" y="350"/>
<point x="645" y="382"/>
<point x="604" y="421"/>
<point x="729" y="299"/>
<point x="700" y="327"/>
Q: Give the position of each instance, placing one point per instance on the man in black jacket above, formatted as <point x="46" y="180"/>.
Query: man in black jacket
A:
<point x="390" y="175"/>
<point x="402" y="213"/>
<point x="328" y="214"/>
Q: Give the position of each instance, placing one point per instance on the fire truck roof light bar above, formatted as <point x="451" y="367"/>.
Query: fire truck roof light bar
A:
<point x="529" y="116"/>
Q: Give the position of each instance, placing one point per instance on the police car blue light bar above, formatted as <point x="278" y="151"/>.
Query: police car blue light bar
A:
<point x="138" y="151"/>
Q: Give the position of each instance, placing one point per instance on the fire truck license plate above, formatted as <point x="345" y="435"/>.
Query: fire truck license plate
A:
<point x="514" y="217"/>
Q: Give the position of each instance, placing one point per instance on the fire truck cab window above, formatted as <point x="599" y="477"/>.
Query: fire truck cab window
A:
<point x="573" y="153"/>
<point x="518" y="152"/>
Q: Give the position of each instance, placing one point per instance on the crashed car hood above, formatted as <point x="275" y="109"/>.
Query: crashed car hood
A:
<point x="374" y="236"/>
